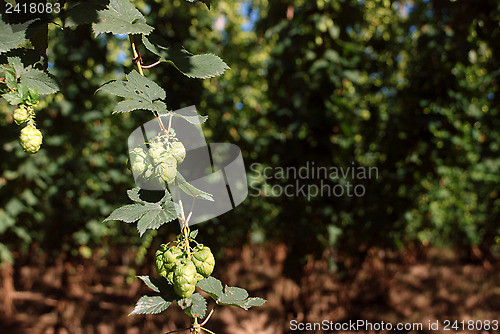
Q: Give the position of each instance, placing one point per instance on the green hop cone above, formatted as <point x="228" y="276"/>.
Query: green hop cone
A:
<point x="184" y="278"/>
<point x="178" y="151"/>
<point x="168" y="168"/>
<point x="166" y="258"/>
<point x="159" y="263"/>
<point x="148" y="172"/>
<point x="199" y="277"/>
<point x="203" y="260"/>
<point x="157" y="177"/>
<point x="156" y="152"/>
<point x="31" y="139"/>
<point x="138" y="160"/>
<point x="172" y="256"/>
<point x="138" y="152"/>
<point x="170" y="276"/>
<point x="139" y="167"/>
<point x="186" y="290"/>
<point x="21" y="115"/>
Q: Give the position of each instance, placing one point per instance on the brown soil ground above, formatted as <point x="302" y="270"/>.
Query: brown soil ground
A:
<point x="87" y="297"/>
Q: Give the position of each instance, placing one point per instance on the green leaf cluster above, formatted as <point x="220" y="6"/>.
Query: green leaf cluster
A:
<point x="25" y="83"/>
<point x="231" y="295"/>
<point x="201" y="66"/>
<point x="149" y="215"/>
<point x="141" y="93"/>
<point x="196" y="305"/>
<point x="12" y="35"/>
<point x="121" y="17"/>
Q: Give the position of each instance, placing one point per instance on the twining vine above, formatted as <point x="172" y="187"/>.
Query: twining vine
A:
<point x="182" y="265"/>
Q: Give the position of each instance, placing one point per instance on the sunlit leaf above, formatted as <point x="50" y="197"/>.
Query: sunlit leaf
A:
<point x="194" y="66"/>
<point x="121" y="17"/>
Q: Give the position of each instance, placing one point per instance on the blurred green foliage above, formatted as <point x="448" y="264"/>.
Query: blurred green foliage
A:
<point x="409" y="87"/>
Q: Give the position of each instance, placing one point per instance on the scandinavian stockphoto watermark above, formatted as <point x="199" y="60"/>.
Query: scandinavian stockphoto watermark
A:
<point x="355" y="326"/>
<point x="310" y="180"/>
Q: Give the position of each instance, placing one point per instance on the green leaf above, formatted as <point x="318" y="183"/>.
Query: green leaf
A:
<point x="233" y="296"/>
<point x="14" y="98"/>
<point x="121" y="17"/>
<point x="30" y="79"/>
<point x="234" y="293"/>
<point x="39" y="81"/>
<point x="150" y="46"/>
<point x="135" y="87"/>
<point x="190" y="189"/>
<point x="37" y="33"/>
<point x="142" y="93"/>
<point x="201" y="66"/>
<point x="196" y="120"/>
<point x="156" y="216"/>
<point x="15" y="65"/>
<point x="134" y="195"/>
<point x="82" y="13"/>
<point x="128" y="213"/>
<point x="197" y="307"/>
<point x="151" y="219"/>
<point x="247" y="303"/>
<point x="147" y="281"/>
<point x="160" y="285"/>
<point x="194" y="66"/>
<point x="193" y="234"/>
<point x="150" y="215"/>
<point x="10" y="77"/>
<point x="131" y="105"/>
<point x="13" y="35"/>
<point x="184" y="303"/>
<point x="151" y="305"/>
<point x="212" y="286"/>
<point x="206" y="2"/>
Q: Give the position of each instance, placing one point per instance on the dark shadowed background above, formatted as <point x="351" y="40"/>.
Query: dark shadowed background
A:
<point x="407" y="87"/>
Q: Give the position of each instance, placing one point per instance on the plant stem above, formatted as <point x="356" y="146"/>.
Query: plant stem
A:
<point x="138" y="60"/>
<point x="208" y="317"/>
<point x="185" y="230"/>
<point x="152" y="65"/>
<point x="207" y="330"/>
<point x="137" y="57"/>
<point x="169" y="123"/>
<point x="196" y="327"/>
<point x="160" y="122"/>
<point x="182" y="211"/>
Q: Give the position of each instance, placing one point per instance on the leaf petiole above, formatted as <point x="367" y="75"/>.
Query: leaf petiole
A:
<point x="152" y="65"/>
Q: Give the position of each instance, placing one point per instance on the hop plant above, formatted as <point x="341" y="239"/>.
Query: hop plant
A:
<point x="148" y="172"/>
<point x="183" y="270"/>
<point x="139" y="167"/>
<point x="31" y="138"/>
<point x="21" y="115"/>
<point x="166" y="258"/>
<point x="156" y="152"/>
<point x="203" y="260"/>
<point x="168" y="168"/>
<point x="178" y="151"/>
<point x="199" y="277"/>
<point x="184" y="278"/>
<point x="138" y="160"/>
